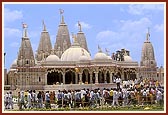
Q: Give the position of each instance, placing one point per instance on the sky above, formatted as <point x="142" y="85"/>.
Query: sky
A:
<point x="111" y="26"/>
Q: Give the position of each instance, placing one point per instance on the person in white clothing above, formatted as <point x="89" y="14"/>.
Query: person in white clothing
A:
<point x="29" y="100"/>
<point x="118" y="80"/>
<point x="6" y="100"/>
<point x="115" y="98"/>
<point x="10" y="100"/>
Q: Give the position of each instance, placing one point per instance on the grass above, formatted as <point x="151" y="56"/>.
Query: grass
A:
<point x="104" y="108"/>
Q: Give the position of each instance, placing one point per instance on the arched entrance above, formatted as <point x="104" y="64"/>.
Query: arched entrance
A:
<point x="108" y="77"/>
<point x="93" y="78"/>
<point x="86" y="76"/>
<point x="101" y="77"/>
<point x="70" y="77"/>
<point x="54" y="77"/>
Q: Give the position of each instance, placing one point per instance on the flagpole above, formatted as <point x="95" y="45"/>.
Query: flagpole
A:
<point x="60" y="14"/>
<point x="4" y="59"/>
<point x="22" y="29"/>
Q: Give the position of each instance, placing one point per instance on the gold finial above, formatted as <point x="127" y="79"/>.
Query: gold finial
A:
<point x="80" y="27"/>
<point x="52" y="51"/>
<point x="74" y="37"/>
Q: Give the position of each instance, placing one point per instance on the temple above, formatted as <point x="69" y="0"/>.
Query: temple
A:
<point x="69" y="65"/>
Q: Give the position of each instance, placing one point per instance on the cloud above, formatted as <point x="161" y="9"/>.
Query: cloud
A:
<point x="140" y="9"/>
<point x="136" y="25"/>
<point x="131" y="32"/>
<point x="106" y="34"/>
<point x="12" y="15"/>
<point x="84" y="25"/>
<point x="14" y="44"/>
<point x="12" y="33"/>
<point x="159" y="27"/>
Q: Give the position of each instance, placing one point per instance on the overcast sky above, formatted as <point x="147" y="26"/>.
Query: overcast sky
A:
<point x="111" y="26"/>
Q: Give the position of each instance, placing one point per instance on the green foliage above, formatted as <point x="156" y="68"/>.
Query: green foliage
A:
<point x="103" y="108"/>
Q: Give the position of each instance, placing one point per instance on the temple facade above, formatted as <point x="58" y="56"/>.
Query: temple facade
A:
<point x="70" y="64"/>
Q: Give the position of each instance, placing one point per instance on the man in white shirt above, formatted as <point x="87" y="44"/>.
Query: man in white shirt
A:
<point x="118" y="80"/>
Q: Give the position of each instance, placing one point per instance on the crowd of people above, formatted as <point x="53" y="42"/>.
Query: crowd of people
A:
<point x="132" y="92"/>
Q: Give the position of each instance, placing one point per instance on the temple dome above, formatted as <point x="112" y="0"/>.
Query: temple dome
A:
<point x="14" y="64"/>
<point x="74" y="53"/>
<point x="100" y="56"/>
<point x="52" y="58"/>
<point x="109" y="57"/>
<point x="127" y="58"/>
<point x="84" y="58"/>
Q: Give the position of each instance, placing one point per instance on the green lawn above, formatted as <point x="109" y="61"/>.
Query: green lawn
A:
<point x="104" y="108"/>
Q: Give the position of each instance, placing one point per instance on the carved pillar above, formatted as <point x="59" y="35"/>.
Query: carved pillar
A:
<point x="46" y="79"/>
<point x="91" y="75"/>
<point x="76" y="78"/>
<point x="111" y="77"/>
<point x="63" y="76"/>
<point x="105" y="77"/>
<point x="96" y="79"/>
<point x="80" y="77"/>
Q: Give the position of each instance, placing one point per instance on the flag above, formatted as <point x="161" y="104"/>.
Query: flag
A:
<point x="24" y="25"/>
<point x="99" y="49"/>
<point x="106" y="50"/>
<point x="79" y="23"/>
<point x="148" y="32"/>
<point x="61" y="11"/>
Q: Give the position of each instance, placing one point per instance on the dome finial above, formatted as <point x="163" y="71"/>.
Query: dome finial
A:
<point x="74" y="37"/>
<point x="44" y="26"/>
<point x="147" y="35"/>
<point x="24" y="25"/>
<point x="99" y="49"/>
<point x="52" y="51"/>
<point x="80" y="26"/>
